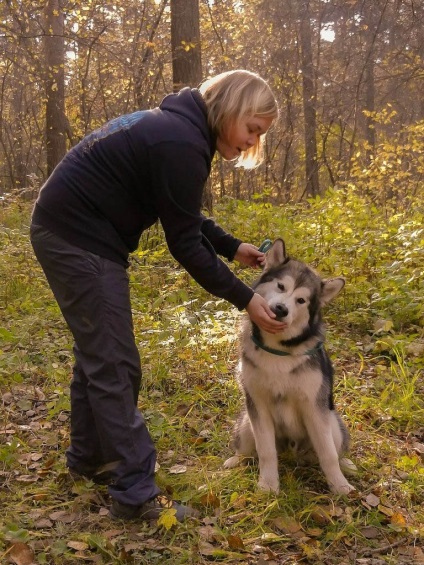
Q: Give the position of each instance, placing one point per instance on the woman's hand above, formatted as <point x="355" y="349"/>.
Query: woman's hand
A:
<point x="262" y="315"/>
<point x="248" y="254"/>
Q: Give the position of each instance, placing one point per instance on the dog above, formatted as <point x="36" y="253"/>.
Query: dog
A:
<point x="287" y="378"/>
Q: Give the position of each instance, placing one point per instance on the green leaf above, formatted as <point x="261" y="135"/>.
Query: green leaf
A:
<point x="7" y="335"/>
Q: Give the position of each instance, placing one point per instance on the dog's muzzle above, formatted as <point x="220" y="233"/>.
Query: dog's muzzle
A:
<point x="280" y="310"/>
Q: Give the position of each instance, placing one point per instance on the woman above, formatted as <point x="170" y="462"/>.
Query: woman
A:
<point x="89" y="216"/>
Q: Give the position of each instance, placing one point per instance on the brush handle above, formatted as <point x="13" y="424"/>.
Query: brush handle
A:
<point x="265" y="245"/>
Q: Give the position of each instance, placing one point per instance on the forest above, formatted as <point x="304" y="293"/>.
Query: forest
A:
<point x="342" y="182"/>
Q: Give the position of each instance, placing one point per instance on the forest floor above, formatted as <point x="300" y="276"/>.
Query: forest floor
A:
<point x="190" y="400"/>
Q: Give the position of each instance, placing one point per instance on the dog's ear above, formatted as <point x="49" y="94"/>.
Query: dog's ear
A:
<point x="276" y="254"/>
<point x="330" y="289"/>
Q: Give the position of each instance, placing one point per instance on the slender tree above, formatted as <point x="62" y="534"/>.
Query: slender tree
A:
<point x="185" y="41"/>
<point x="55" y="84"/>
<point x="309" y="100"/>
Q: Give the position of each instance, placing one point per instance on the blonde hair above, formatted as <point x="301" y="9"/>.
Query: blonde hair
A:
<point x="235" y="94"/>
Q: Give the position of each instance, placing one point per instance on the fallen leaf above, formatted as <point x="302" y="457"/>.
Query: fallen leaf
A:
<point x="415" y="554"/>
<point x="129" y="547"/>
<point x="269" y="537"/>
<point x="210" y="499"/>
<point x="40" y="496"/>
<point x="372" y="500"/>
<point x="370" y="532"/>
<point x="63" y="516"/>
<point x="263" y="561"/>
<point x="21" y="554"/>
<point x="167" y="518"/>
<point x="178" y="469"/>
<point x="78" y="545"/>
<point x="314" y="532"/>
<point x="416" y="349"/>
<point x="109" y="534"/>
<point x="235" y="542"/>
<point x="383" y="326"/>
<point x="27" y="479"/>
<point x="385" y="510"/>
<point x="42" y="524"/>
<point x="348" y="466"/>
<point x="419" y="449"/>
<point x="311" y="550"/>
<point x="182" y="409"/>
<point x="208" y="550"/>
<point x="398" y="520"/>
<point x="209" y="533"/>
<point x="321" y="516"/>
<point x="152" y="543"/>
<point x="39" y="394"/>
<point x="286" y="525"/>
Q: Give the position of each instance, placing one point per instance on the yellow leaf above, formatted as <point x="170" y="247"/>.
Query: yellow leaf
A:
<point x="167" y="518"/>
<point x="234" y="496"/>
<point x="385" y="510"/>
<point x="398" y="521"/>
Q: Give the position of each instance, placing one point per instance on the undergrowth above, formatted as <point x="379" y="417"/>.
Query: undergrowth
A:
<point x="188" y="345"/>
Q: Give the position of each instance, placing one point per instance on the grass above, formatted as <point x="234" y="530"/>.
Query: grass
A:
<point x="188" y="345"/>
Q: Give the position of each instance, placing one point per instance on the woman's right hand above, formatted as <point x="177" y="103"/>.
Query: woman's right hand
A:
<point x="262" y="315"/>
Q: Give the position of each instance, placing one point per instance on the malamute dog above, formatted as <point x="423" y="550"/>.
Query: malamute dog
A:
<point x="287" y="378"/>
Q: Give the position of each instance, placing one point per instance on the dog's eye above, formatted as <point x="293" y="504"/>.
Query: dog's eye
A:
<point x="281" y="287"/>
<point x="301" y="301"/>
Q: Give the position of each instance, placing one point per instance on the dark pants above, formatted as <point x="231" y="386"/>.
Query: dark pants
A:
<point x="106" y="426"/>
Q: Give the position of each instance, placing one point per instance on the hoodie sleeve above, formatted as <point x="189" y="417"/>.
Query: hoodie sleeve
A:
<point x="178" y="173"/>
<point x="224" y="243"/>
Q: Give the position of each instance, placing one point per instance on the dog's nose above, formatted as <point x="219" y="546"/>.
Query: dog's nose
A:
<point x="280" y="310"/>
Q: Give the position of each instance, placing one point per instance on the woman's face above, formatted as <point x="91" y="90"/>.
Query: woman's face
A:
<point x="241" y="135"/>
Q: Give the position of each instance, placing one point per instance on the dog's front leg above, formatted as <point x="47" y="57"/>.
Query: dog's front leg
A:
<point x="319" y="430"/>
<point x="264" y="434"/>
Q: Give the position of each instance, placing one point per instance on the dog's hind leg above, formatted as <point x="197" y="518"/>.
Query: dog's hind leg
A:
<point x="342" y="440"/>
<point x="340" y="433"/>
<point x="243" y="442"/>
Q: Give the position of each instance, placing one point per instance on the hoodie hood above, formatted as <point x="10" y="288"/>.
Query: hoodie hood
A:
<point x="189" y="104"/>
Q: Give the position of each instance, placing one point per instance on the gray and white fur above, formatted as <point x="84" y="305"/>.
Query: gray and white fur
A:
<point x="288" y="386"/>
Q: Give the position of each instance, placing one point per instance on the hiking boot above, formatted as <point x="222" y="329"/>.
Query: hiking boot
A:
<point x="151" y="510"/>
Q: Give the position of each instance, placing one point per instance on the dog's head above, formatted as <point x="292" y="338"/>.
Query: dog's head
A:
<point x="294" y="291"/>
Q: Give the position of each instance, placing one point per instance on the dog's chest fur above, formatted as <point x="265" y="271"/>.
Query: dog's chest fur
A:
<point x="283" y="386"/>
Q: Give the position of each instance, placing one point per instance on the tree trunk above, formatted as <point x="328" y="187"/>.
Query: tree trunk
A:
<point x="55" y="84"/>
<point x="371" y="32"/>
<point x="185" y="42"/>
<point x="309" y="101"/>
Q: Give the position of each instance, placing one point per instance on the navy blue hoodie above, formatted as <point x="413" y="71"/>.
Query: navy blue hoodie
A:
<point x="134" y="170"/>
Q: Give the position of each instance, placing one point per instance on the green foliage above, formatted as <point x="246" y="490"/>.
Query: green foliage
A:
<point x="346" y="234"/>
<point x="395" y="174"/>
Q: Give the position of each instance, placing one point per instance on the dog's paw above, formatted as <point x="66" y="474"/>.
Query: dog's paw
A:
<point x="343" y="488"/>
<point x="269" y="485"/>
<point x="232" y="462"/>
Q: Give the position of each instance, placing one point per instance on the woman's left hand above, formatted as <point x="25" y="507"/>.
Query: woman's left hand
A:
<point x="248" y="254"/>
